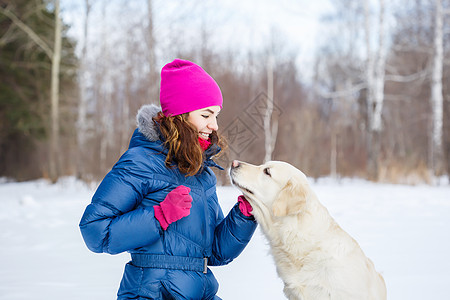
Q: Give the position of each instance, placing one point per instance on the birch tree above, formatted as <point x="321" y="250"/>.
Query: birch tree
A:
<point x="269" y="132"/>
<point x="56" y="63"/>
<point x="127" y="98"/>
<point x="82" y="105"/>
<point x="437" y="100"/>
<point x="105" y="86"/>
<point x="151" y="46"/>
<point x="375" y="76"/>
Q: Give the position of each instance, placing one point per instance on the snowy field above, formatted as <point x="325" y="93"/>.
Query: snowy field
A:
<point x="405" y="230"/>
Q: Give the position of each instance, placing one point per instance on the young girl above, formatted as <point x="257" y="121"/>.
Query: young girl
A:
<point x="159" y="201"/>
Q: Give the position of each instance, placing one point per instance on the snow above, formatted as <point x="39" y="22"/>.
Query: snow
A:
<point x="404" y="229"/>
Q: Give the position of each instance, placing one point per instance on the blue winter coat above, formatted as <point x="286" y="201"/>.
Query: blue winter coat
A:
<point x="165" y="264"/>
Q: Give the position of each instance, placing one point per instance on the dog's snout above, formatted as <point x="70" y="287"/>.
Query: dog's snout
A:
<point x="235" y="164"/>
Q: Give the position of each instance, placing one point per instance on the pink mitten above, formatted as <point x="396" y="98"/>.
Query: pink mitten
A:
<point x="175" y="206"/>
<point x="244" y="206"/>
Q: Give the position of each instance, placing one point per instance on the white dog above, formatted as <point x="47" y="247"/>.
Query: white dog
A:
<point x="315" y="258"/>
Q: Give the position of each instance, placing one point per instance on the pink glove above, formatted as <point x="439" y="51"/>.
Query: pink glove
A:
<point x="244" y="206"/>
<point x="175" y="206"/>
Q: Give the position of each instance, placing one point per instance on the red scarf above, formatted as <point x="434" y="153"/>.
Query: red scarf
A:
<point x="204" y="143"/>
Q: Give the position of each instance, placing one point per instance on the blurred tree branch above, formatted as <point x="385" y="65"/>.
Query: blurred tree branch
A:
<point x="41" y="43"/>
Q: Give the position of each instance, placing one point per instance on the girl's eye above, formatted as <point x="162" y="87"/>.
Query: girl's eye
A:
<point x="267" y="171"/>
<point x="205" y="116"/>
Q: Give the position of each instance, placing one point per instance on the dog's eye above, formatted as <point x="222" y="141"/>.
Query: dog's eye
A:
<point x="267" y="171"/>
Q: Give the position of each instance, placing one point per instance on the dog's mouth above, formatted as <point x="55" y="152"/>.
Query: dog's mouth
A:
<point x="241" y="187"/>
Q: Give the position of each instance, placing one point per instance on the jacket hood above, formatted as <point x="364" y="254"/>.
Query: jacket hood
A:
<point x="145" y="123"/>
<point x="149" y="130"/>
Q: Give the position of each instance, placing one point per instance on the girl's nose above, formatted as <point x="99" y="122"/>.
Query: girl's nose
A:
<point x="213" y="124"/>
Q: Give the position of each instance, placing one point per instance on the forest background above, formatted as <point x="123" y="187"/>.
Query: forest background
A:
<point x="370" y="100"/>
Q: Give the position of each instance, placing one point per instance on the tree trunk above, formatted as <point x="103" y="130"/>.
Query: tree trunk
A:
<point x="375" y="76"/>
<point x="370" y="62"/>
<point x="82" y="105"/>
<point x="437" y="101"/>
<point x="106" y="86"/>
<point x="54" y="162"/>
<point x="152" y="74"/>
<point x="379" y="74"/>
<point x="333" y="154"/>
<point x="125" y="111"/>
<point x="269" y="110"/>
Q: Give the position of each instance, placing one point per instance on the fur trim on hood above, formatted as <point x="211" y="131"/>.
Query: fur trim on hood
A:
<point x="150" y="130"/>
<point x="145" y="123"/>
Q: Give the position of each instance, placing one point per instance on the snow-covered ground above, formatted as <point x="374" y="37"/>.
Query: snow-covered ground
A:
<point x="405" y="230"/>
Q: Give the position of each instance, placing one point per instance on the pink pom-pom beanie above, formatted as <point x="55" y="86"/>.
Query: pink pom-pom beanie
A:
<point x="186" y="87"/>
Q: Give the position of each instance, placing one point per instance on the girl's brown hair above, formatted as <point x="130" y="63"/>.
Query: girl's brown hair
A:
<point x="181" y="139"/>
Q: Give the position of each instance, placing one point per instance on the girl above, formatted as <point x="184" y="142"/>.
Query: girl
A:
<point x="159" y="201"/>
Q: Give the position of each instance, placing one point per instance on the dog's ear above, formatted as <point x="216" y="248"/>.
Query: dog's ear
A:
<point x="290" y="200"/>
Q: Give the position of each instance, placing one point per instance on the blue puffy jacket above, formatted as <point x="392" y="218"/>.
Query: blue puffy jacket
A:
<point x="167" y="264"/>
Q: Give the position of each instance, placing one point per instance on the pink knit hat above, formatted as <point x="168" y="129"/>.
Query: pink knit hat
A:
<point x="186" y="87"/>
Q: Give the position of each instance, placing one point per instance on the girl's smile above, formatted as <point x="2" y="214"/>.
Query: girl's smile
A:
<point x="205" y="120"/>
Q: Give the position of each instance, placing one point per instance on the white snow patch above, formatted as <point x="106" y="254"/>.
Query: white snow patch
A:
<point x="403" y="229"/>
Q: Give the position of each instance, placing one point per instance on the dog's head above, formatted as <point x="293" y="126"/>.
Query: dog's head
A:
<point x="276" y="187"/>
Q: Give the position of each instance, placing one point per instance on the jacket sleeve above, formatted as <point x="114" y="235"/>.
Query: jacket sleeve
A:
<point x="231" y="236"/>
<point x="113" y="222"/>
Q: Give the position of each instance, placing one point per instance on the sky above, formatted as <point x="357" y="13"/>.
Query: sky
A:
<point x="297" y="20"/>
<point x="233" y="24"/>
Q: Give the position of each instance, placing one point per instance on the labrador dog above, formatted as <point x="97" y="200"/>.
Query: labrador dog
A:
<point x="315" y="258"/>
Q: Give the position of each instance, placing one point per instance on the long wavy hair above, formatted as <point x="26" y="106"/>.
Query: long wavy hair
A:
<point x="181" y="139"/>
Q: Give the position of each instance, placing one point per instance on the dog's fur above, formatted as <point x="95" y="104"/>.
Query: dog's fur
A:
<point x="315" y="258"/>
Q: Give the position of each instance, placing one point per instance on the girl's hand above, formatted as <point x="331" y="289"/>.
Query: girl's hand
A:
<point x="175" y="206"/>
<point x="245" y="206"/>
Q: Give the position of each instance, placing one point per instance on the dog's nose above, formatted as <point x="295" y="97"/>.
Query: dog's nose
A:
<point x="235" y="164"/>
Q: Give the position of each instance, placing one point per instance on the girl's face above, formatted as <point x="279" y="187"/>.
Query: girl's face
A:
<point x="205" y="120"/>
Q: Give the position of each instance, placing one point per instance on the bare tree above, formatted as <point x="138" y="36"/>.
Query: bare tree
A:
<point x="270" y="124"/>
<point x="273" y="57"/>
<point x="104" y="107"/>
<point x="82" y="105"/>
<point x="437" y="99"/>
<point x="56" y="63"/>
<point x="375" y="76"/>
<point x="128" y="96"/>
<point x="151" y="46"/>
